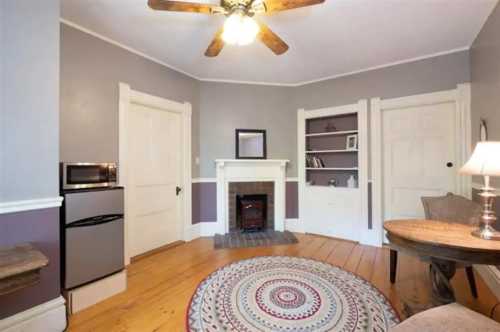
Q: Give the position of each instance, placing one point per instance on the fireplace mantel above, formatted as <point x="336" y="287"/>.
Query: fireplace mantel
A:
<point x="250" y="170"/>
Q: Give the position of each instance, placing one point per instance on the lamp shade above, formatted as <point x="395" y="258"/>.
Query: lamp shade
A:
<point x="485" y="160"/>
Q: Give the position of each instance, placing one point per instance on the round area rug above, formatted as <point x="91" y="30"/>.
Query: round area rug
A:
<point x="287" y="294"/>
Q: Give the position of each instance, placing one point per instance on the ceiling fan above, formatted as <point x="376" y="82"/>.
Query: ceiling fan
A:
<point x="240" y="27"/>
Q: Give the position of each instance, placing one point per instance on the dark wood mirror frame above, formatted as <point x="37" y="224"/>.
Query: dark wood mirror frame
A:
<point x="251" y="131"/>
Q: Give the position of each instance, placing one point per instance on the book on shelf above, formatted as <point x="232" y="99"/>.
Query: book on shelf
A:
<point x="314" y="162"/>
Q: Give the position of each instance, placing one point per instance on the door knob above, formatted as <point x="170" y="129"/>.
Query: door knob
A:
<point x="449" y="164"/>
<point x="178" y="190"/>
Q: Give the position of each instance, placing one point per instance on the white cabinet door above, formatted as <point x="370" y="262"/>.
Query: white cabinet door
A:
<point x="334" y="212"/>
<point x="419" y="157"/>
<point x="154" y="150"/>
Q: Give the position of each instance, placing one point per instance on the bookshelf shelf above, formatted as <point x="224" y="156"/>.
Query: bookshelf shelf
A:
<point x="328" y="156"/>
<point x="333" y="133"/>
<point x="332" y="151"/>
<point x="332" y="168"/>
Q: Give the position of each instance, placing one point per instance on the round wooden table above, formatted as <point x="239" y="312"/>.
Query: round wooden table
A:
<point x="444" y="245"/>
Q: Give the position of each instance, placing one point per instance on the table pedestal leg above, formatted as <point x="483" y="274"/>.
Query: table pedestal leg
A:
<point x="441" y="272"/>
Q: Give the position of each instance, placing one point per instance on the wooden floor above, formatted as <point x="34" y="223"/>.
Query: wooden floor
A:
<point x="160" y="285"/>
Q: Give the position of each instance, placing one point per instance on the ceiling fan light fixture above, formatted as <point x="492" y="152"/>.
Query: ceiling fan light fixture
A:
<point x="240" y="29"/>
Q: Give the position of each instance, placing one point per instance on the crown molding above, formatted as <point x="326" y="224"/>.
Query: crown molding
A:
<point x="125" y="47"/>
<point x="228" y="81"/>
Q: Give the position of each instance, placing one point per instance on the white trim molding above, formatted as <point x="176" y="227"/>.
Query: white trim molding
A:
<point x="461" y="97"/>
<point x="49" y="317"/>
<point x="210" y="180"/>
<point x="246" y="170"/>
<point x="126" y="99"/>
<point x="204" y="180"/>
<point x="31" y="204"/>
<point x="295" y="226"/>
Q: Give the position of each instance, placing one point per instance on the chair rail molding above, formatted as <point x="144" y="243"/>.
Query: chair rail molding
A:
<point x="30" y="204"/>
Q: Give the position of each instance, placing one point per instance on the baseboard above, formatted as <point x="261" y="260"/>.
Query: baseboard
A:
<point x="48" y="317"/>
<point x="491" y="276"/>
<point x="192" y="232"/>
<point x="88" y="295"/>
<point x="370" y="238"/>
<point x="210" y="229"/>
<point x="294" y="225"/>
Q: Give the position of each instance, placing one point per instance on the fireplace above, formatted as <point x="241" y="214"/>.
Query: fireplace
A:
<point x="257" y="194"/>
<point x="250" y="177"/>
<point x="251" y="212"/>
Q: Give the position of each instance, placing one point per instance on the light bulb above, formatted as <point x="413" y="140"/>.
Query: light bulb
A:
<point x="239" y="29"/>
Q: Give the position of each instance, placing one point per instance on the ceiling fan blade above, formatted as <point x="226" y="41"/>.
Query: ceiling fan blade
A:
<point x="271" y="40"/>
<point x="279" y="5"/>
<point x="216" y="45"/>
<point x="182" y="6"/>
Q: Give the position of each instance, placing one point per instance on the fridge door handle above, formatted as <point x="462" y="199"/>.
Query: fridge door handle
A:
<point x="97" y="220"/>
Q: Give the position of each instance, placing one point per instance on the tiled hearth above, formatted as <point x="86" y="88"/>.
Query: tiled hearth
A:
<point x="250" y="188"/>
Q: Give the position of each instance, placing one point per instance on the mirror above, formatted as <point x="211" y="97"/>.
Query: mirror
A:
<point x="250" y="144"/>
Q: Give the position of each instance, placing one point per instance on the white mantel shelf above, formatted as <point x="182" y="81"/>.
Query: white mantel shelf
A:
<point x="250" y="170"/>
<point x="281" y="162"/>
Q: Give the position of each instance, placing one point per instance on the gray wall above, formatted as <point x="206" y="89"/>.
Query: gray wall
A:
<point x="485" y="71"/>
<point x="29" y="147"/>
<point x="90" y="72"/>
<point x="424" y="76"/>
<point x="225" y="107"/>
<point x="30" y="97"/>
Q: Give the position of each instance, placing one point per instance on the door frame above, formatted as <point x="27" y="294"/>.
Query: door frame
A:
<point x="461" y="96"/>
<point x="128" y="97"/>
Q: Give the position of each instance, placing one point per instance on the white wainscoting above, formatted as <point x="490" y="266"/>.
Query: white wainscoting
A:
<point x="47" y="317"/>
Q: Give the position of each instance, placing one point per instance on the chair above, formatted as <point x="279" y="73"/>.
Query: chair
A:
<point x="452" y="208"/>
<point x="451" y="317"/>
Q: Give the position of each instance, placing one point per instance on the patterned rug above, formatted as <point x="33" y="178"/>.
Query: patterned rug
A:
<point x="287" y="294"/>
<point x="253" y="239"/>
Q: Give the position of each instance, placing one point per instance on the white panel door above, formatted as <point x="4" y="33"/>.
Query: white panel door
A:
<point x="418" y="149"/>
<point x="154" y="150"/>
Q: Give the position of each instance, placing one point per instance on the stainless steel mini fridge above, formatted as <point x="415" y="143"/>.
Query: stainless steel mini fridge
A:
<point x="92" y="235"/>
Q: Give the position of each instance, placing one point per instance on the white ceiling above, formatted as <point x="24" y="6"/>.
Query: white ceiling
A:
<point x="327" y="40"/>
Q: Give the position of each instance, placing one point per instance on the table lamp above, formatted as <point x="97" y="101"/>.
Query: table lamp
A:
<point x="485" y="161"/>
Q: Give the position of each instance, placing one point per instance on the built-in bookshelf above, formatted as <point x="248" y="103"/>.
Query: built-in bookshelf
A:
<point x="331" y="150"/>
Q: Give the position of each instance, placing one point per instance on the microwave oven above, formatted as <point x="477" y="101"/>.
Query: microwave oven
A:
<point x="88" y="175"/>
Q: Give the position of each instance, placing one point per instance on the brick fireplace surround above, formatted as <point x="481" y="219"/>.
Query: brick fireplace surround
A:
<point x="250" y="188"/>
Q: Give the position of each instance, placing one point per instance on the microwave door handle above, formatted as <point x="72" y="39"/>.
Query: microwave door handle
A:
<point x="98" y="220"/>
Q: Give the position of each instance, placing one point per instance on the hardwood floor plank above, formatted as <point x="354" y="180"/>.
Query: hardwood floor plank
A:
<point x="354" y="258"/>
<point x="341" y="254"/>
<point x="160" y="286"/>
<point x="366" y="264"/>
